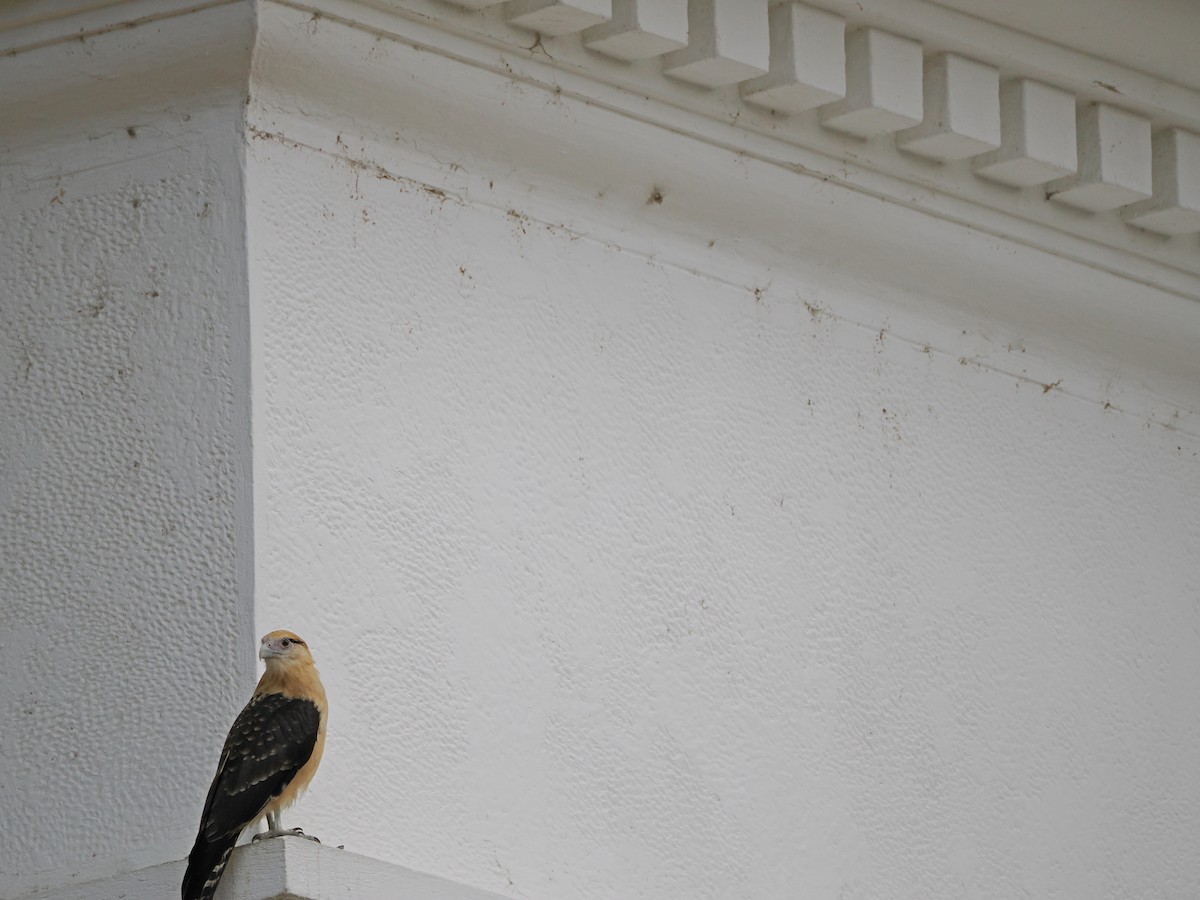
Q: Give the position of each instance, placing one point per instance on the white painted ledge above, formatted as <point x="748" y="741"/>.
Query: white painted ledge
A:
<point x="287" y="868"/>
<point x="640" y="30"/>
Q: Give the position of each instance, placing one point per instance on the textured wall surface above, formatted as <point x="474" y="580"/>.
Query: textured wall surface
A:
<point x="666" y="522"/>
<point x="125" y="642"/>
<point x="633" y="575"/>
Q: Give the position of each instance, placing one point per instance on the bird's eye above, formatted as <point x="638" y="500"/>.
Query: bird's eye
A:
<point x="287" y="642"/>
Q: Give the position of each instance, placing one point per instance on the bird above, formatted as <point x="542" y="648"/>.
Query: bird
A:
<point x="269" y="758"/>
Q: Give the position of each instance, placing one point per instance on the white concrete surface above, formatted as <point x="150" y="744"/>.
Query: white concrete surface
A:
<point x="728" y="41"/>
<point x="640" y="29"/>
<point x="1114" y="160"/>
<point x="286" y="868"/>
<point x="125" y="638"/>
<point x="125" y="569"/>
<point x="639" y="566"/>
<point x="673" y="510"/>
<point x="962" y="110"/>
<point x="808" y="60"/>
<point x="553" y="17"/>
<point x="1175" y="206"/>
<point x="1037" y="127"/>
<point x="883" y="85"/>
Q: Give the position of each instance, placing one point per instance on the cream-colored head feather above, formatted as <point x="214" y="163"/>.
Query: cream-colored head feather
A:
<point x="284" y="648"/>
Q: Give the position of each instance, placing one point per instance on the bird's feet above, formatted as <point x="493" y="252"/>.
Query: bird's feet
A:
<point x="289" y="832"/>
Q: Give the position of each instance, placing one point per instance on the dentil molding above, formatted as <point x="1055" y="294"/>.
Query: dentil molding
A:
<point x="906" y="99"/>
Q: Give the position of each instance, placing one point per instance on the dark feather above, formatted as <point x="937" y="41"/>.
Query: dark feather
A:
<point x="271" y="739"/>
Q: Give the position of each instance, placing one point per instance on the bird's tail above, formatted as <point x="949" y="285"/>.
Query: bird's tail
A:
<point x="206" y="864"/>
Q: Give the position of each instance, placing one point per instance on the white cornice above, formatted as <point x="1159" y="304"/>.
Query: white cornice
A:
<point x="30" y="24"/>
<point x="68" y="68"/>
<point x="1102" y="178"/>
<point x="447" y="113"/>
<point x="1106" y="156"/>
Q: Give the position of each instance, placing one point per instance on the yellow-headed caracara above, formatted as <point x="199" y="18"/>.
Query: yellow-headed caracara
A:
<point x="269" y="758"/>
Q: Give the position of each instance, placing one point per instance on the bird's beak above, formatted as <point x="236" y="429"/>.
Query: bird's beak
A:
<point x="266" y="651"/>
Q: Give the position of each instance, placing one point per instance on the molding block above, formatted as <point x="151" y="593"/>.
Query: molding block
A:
<point x="728" y="42"/>
<point x="641" y="29"/>
<point x="1114" y="160"/>
<point x="1037" y="129"/>
<point x="962" y="110"/>
<point x="883" y="85"/>
<point x="557" y="17"/>
<point x="474" y="4"/>
<point x="808" y="60"/>
<point x="1175" y="207"/>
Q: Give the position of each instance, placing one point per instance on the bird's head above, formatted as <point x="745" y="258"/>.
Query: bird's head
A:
<point x="283" y="648"/>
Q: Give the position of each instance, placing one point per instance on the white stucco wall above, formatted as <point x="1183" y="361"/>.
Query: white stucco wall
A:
<point x="666" y="521"/>
<point x="125" y="581"/>
<point x="639" y="565"/>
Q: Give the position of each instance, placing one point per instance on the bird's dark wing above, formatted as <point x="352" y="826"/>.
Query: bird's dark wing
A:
<point x="271" y="739"/>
